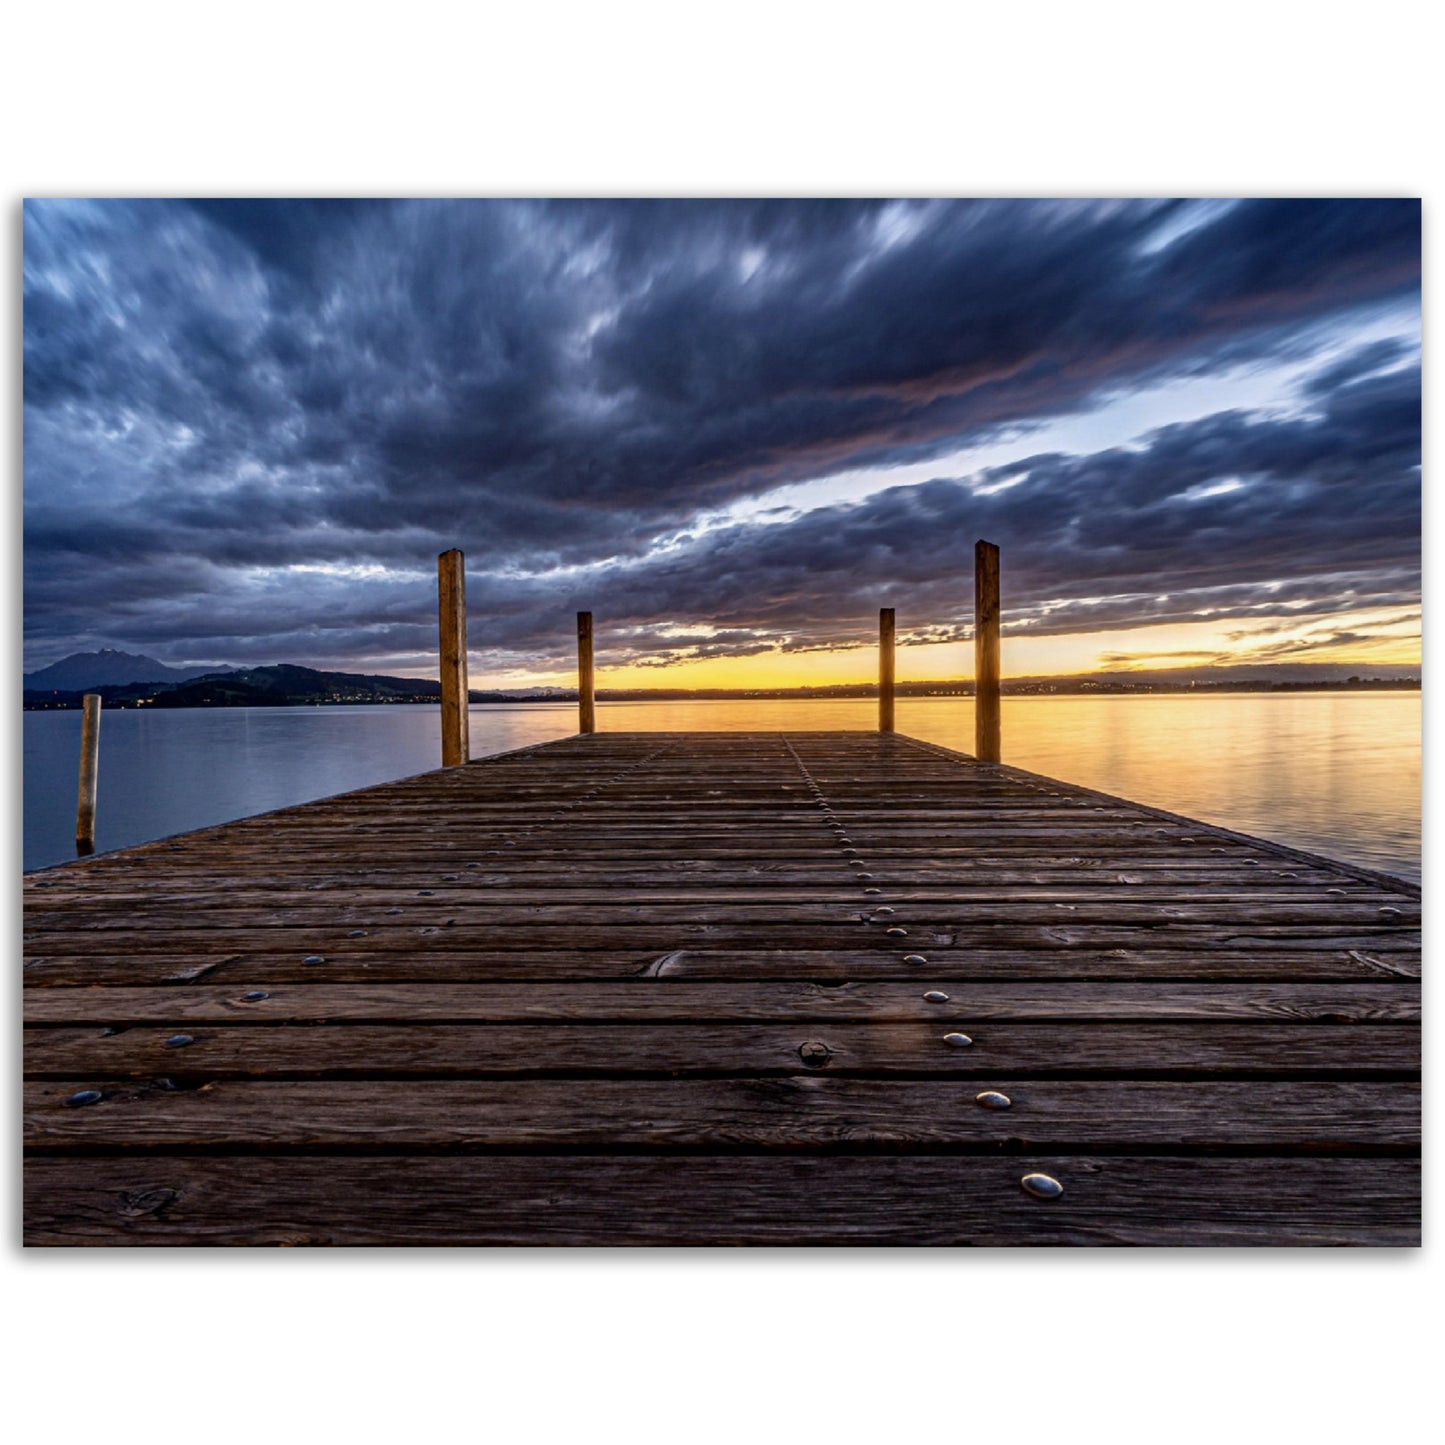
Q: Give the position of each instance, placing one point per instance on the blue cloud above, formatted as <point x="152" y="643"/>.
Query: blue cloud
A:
<point x="217" y="387"/>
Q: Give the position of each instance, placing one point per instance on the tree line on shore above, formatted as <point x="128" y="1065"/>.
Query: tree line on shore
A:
<point x="286" y="685"/>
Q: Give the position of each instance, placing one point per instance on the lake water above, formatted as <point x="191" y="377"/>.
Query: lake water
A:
<point x="1336" y="773"/>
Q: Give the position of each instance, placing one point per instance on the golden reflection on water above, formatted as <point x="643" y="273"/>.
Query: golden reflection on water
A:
<point x="1337" y="773"/>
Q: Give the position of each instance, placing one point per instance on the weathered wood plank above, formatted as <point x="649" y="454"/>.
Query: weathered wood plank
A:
<point x="315" y="873"/>
<point x="774" y="1200"/>
<point x="364" y="1050"/>
<point x="656" y="944"/>
<point x="836" y="923"/>
<point x="839" y="893"/>
<point x="793" y="1112"/>
<point x="372" y="933"/>
<point x="667" y="1002"/>
<point x="263" y="963"/>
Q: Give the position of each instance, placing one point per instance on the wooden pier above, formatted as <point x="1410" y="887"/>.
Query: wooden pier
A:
<point x="716" y="988"/>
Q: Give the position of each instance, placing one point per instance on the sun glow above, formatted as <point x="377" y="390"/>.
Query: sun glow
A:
<point x="1363" y="639"/>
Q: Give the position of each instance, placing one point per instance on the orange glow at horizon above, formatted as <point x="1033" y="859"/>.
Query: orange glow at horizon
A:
<point x="1383" y="639"/>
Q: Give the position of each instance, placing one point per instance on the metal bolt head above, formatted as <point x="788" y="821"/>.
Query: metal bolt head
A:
<point x="814" y="1053"/>
<point x="255" y="995"/>
<point x="1042" y="1186"/>
<point x="178" y="1041"/>
<point x="84" y="1097"/>
<point x="958" y="1041"/>
<point x="914" y="958"/>
<point x="935" y="995"/>
<point x="992" y="1099"/>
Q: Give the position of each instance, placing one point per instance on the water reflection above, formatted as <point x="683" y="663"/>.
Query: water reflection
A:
<point x="1336" y="773"/>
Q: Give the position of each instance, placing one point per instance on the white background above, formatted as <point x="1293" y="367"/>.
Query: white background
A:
<point x="630" y="98"/>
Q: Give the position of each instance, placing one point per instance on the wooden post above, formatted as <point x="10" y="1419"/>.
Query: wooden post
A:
<point x="586" y="705"/>
<point x="452" y="616"/>
<point x="986" y="721"/>
<point x="885" y="669"/>
<point x="89" y="766"/>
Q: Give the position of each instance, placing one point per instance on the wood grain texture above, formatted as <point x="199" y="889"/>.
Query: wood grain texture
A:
<point x="575" y="1199"/>
<point x="639" y="988"/>
<point x="799" y="1111"/>
<point x="586" y="696"/>
<point x="452" y="657"/>
<point x="261" y="964"/>
<point x="89" y="773"/>
<point x="986" y="653"/>
<point x="886" y="629"/>
<point x="647" y="1001"/>
<point x="367" y="1050"/>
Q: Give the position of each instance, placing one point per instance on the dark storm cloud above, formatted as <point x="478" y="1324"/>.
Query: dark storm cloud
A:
<point x="1322" y="513"/>
<point x="217" y="387"/>
<point x="1363" y="361"/>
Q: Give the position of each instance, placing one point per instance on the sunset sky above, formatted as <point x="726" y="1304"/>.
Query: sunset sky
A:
<point x="731" y="429"/>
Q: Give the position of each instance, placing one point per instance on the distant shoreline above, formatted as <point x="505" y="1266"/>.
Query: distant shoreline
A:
<point x="846" y="692"/>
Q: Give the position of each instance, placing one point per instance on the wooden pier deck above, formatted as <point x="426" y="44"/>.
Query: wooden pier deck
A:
<point x="698" y="989"/>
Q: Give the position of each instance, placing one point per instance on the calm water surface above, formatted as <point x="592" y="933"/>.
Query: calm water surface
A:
<point x="1337" y="773"/>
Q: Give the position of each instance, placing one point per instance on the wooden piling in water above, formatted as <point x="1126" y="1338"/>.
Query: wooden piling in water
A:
<point x="586" y="704"/>
<point x="89" y="766"/>
<point x="986" y="707"/>
<point x="885" y="669"/>
<point x="452" y="615"/>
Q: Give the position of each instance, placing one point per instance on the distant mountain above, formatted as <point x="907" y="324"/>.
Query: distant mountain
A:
<point x="108" y="668"/>
<point x="284" y="684"/>
<point x="279" y="685"/>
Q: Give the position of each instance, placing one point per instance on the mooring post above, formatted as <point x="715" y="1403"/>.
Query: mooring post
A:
<point x="885" y="669"/>
<point x="986" y="710"/>
<point x="586" y="704"/>
<point x="89" y="764"/>
<point x="452" y="618"/>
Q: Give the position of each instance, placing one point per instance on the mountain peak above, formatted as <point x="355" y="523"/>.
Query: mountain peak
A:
<point x="108" y="667"/>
